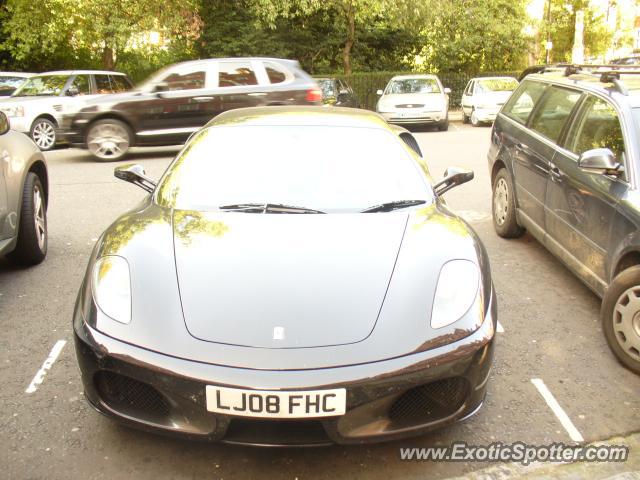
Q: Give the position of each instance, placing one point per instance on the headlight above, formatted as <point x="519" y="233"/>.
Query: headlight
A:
<point x="17" y="111"/>
<point x="455" y="293"/>
<point x="111" y="285"/>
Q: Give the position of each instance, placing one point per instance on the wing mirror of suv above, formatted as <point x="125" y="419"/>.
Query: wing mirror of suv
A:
<point x="600" y="160"/>
<point x="161" y="87"/>
<point x="447" y="91"/>
<point x="379" y="92"/>
<point x="453" y="177"/>
<point x="4" y="123"/>
<point x="72" y="91"/>
<point x="134" y="173"/>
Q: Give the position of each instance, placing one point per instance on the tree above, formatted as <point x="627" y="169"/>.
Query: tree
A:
<point x="93" y="31"/>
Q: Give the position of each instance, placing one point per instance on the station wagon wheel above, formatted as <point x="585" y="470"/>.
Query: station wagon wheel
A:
<point x="621" y="317"/>
<point x="43" y="133"/>
<point x="109" y="140"/>
<point x="503" y="206"/>
<point x="32" y="233"/>
<point x="474" y="118"/>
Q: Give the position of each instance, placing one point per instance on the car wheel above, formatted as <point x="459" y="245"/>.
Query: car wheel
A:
<point x="32" y="231"/>
<point x="621" y="317"/>
<point x="109" y="140"/>
<point x="504" y="206"/>
<point x="444" y="125"/>
<point x="43" y="133"/>
<point x="474" y="119"/>
<point x="465" y="118"/>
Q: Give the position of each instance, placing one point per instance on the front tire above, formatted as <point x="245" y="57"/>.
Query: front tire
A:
<point x="620" y="316"/>
<point x="32" y="231"/>
<point x="444" y="125"/>
<point x="503" y="206"/>
<point x="109" y="140"/>
<point x="43" y="134"/>
<point x="474" y="119"/>
<point x="465" y="118"/>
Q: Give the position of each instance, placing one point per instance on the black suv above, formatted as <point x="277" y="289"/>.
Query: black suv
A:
<point x="565" y="164"/>
<point x="177" y="100"/>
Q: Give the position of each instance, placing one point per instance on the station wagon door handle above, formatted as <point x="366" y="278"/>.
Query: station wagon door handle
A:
<point x="555" y="174"/>
<point x="202" y="99"/>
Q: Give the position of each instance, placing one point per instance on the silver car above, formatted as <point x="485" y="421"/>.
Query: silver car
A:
<point x="24" y="187"/>
<point x="483" y="97"/>
<point x="415" y="99"/>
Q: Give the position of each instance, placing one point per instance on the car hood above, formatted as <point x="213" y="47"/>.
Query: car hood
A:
<point x="284" y="280"/>
<point x="429" y="100"/>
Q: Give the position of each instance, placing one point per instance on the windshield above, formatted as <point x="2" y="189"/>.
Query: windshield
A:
<point x="9" y="84"/>
<point x="497" y="85"/>
<point x="332" y="169"/>
<point x="326" y="85"/>
<point x="153" y="79"/>
<point x="50" y="85"/>
<point x="413" y="85"/>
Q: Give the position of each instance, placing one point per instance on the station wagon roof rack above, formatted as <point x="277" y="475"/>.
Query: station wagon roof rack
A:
<point x="606" y="73"/>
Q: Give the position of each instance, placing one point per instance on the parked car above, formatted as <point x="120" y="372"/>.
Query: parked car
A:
<point x="24" y="196"/>
<point x="10" y="81"/>
<point x="257" y="297"/>
<point x="178" y="100"/>
<point x="483" y="97"/>
<point x="36" y="107"/>
<point x="337" y="92"/>
<point x="630" y="60"/>
<point x="415" y="99"/>
<point x="565" y="165"/>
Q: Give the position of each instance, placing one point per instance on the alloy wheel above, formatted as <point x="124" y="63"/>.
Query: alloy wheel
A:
<point x="626" y="322"/>
<point x="44" y="135"/>
<point x="108" y="141"/>
<point x="39" y="217"/>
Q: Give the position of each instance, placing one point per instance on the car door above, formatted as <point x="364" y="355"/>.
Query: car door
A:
<point x="467" y="97"/>
<point x="184" y="100"/>
<point x="581" y="205"/>
<point x="242" y="83"/>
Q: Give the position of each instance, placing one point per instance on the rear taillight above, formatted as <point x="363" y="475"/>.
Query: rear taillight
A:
<point x="314" y="95"/>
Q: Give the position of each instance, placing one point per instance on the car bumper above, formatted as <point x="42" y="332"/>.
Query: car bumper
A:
<point x="20" y="124"/>
<point x="418" y="118"/>
<point x="486" y="115"/>
<point x="386" y="400"/>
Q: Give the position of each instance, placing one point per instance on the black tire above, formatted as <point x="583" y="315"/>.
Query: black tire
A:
<point x="503" y="212"/>
<point x="625" y="345"/>
<point x="31" y="248"/>
<point x="465" y="118"/>
<point x="476" y="123"/>
<point x="115" y="139"/>
<point x="43" y="133"/>
<point x="444" y="125"/>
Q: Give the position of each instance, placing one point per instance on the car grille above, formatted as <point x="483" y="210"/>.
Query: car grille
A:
<point x="124" y="393"/>
<point x="276" y="432"/>
<point x="429" y="402"/>
<point x="410" y="105"/>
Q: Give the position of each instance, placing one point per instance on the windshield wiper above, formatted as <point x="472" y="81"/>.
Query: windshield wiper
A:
<point x="395" y="205"/>
<point x="267" y="207"/>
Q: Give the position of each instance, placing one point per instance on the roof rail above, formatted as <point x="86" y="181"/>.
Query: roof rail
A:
<point x="606" y="73"/>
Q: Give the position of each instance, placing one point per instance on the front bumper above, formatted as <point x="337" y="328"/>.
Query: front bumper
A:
<point x="414" y="118"/>
<point x="486" y="115"/>
<point x="386" y="400"/>
<point x="20" y="124"/>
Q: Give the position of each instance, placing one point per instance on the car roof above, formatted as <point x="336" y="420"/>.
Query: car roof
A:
<point x="81" y="72"/>
<point x="231" y="59"/>
<point x="414" y="75"/>
<point x="500" y="77"/>
<point x="592" y="83"/>
<point x="17" y="74"/>
<point x="300" y="115"/>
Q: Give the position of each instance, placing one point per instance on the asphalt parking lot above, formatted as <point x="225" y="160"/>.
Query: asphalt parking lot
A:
<point x="549" y="333"/>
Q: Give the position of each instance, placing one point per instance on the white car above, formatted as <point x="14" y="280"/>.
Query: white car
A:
<point x="415" y="99"/>
<point x="36" y="107"/>
<point x="10" y="81"/>
<point x="483" y="98"/>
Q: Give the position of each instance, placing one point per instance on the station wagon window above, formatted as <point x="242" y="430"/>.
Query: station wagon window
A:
<point x="236" y="74"/>
<point x="597" y="127"/>
<point x="521" y="103"/>
<point x="103" y="85"/>
<point x="184" y="80"/>
<point x="81" y="82"/>
<point x="550" y="118"/>
<point x="119" y="83"/>
<point x="469" y="88"/>
<point x="275" y="73"/>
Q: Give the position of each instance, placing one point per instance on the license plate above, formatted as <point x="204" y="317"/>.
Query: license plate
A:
<point x="276" y="404"/>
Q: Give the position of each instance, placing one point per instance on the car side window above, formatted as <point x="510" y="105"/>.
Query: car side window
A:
<point x="184" y="80"/>
<point x="523" y="100"/>
<point x="81" y="83"/>
<point x="469" y="88"/>
<point x="550" y="118"/>
<point x="236" y="74"/>
<point x="275" y="73"/>
<point x="119" y="83"/>
<point x="103" y="85"/>
<point x="597" y="127"/>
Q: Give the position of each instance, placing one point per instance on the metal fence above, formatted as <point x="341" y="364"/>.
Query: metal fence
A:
<point x="365" y="84"/>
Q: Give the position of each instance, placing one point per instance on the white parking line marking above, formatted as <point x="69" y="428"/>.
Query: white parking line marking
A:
<point x="500" y="328"/>
<point x="557" y="410"/>
<point x="48" y="363"/>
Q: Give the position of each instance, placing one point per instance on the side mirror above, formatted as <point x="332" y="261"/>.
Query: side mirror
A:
<point x="447" y="91"/>
<point x="72" y="91"/>
<point x="600" y="160"/>
<point x="134" y="173"/>
<point x="4" y="123"/>
<point x="453" y="177"/>
<point x="379" y="92"/>
<point x="161" y="87"/>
